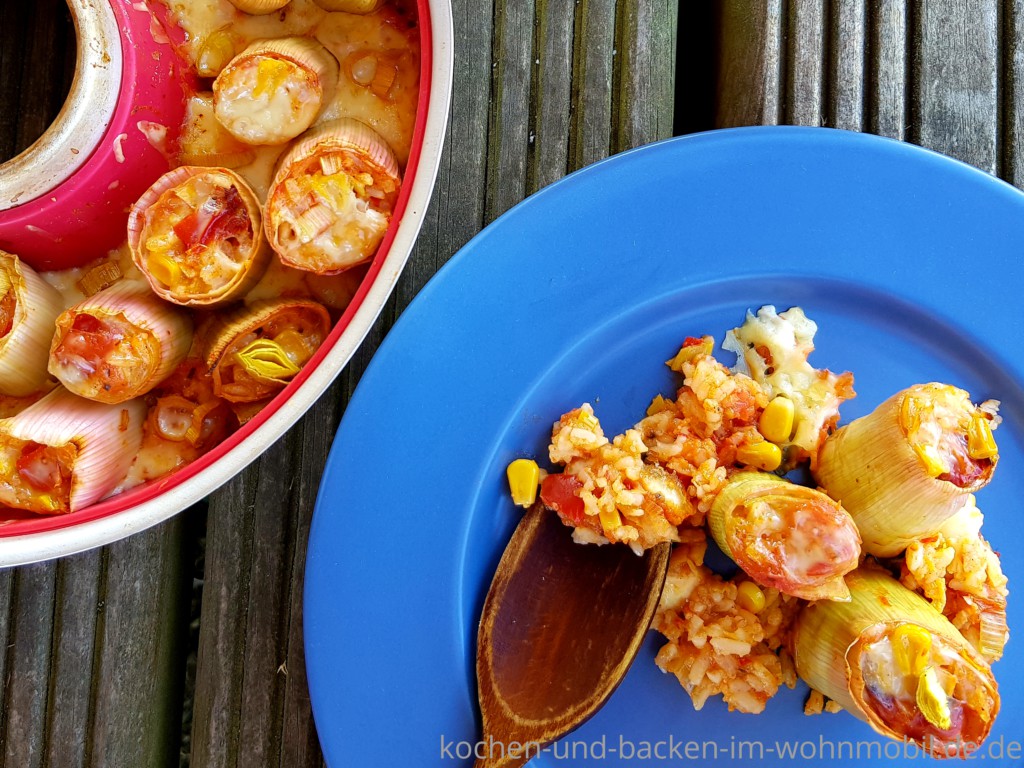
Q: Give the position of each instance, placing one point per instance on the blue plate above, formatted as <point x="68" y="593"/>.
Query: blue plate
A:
<point x="910" y="263"/>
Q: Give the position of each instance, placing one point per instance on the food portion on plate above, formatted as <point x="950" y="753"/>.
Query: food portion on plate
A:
<point x="237" y="261"/>
<point x="874" y="585"/>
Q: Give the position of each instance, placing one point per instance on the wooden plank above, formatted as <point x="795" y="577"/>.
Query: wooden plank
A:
<point x="45" y="87"/>
<point x="594" y="49"/>
<point x="265" y="611"/>
<point x="552" y="93"/>
<point x="751" y="64"/>
<point x="93" y="666"/>
<point x="956" y="102"/>
<point x="139" y="666"/>
<point x="33" y="81"/>
<point x="848" y="33"/>
<point x="28" y="667"/>
<point x="7" y="579"/>
<point x="300" y="745"/>
<point x="645" y="101"/>
<point x="71" y="684"/>
<point x="1012" y="63"/>
<point x="510" y="114"/>
<point x="805" y="56"/>
<point x="219" y="673"/>
<point x="811" y="67"/>
<point x="251" y="706"/>
<point x="932" y="70"/>
<point x="888" y="105"/>
<point x="456" y="211"/>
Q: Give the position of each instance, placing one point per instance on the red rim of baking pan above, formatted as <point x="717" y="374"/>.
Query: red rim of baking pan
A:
<point x="14" y="525"/>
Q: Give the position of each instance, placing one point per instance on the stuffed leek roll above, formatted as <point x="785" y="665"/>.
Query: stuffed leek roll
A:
<point x="788" y="537"/>
<point x="28" y="308"/>
<point x="891" y="659"/>
<point x="119" y="343"/>
<point x="332" y="197"/>
<point x="905" y="469"/>
<point x="64" y="453"/>
<point x="253" y="352"/>
<point x="274" y="89"/>
<point x="197" y="236"/>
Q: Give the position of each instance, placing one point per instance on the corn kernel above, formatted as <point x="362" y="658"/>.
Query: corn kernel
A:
<point x="929" y="455"/>
<point x="911" y="647"/>
<point x="981" y="444"/>
<point x="932" y="700"/>
<point x="750" y="597"/>
<point x="523" y="479"/>
<point x="776" y="422"/>
<point x="610" y="520"/>
<point x="763" y="455"/>
<point x="165" y="270"/>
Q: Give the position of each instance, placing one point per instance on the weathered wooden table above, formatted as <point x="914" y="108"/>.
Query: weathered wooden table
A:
<point x="183" y="645"/>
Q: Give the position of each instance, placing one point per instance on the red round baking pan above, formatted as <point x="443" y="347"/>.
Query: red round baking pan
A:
<point x="64" y="202"/>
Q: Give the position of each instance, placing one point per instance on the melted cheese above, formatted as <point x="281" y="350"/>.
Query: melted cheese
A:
<point x="797" y="538"/>
<point x="261" y="107"/>
<point x="368" y="51"/>
<point x="772" y="349"/>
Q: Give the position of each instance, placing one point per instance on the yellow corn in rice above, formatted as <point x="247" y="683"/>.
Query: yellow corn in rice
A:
<point x="715" y="647"/>
<point x="624" y="500"/>
<point x="694" y="441"/>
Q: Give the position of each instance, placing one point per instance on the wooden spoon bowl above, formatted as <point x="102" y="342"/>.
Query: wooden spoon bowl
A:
<point x="560" y="627"/>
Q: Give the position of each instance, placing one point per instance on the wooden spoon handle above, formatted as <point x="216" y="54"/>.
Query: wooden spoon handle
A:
<point x="498" y="761"/>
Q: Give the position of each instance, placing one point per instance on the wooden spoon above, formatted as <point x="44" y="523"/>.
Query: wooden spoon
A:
<point x="560" y="627"/>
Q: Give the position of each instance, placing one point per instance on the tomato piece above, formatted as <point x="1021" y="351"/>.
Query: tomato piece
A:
<point x="221" y="217"/>
<point x="965" y="470"/>
<point x="8" y="305"/>
<point x="39" y="467"/>
<point x="87" y="323"/>
<point x="230" y="221"/>
<point x="89" y="341"/>
<point x="692" y="341"/>
<point x="187" y="228"/>
<point x="561" y="493"/>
